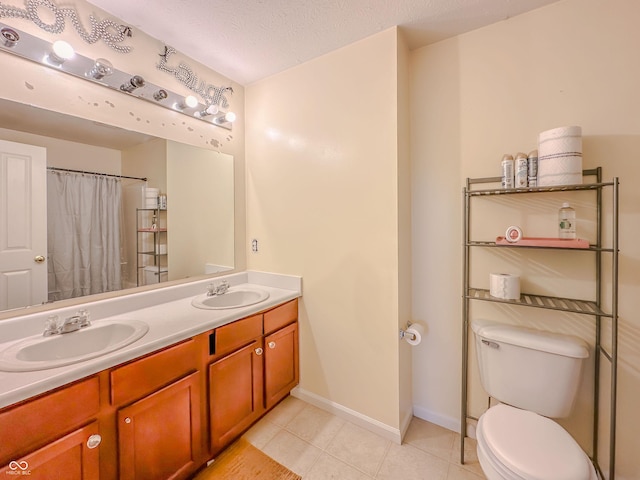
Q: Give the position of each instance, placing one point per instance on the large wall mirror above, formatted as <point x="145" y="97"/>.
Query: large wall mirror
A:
<point x="192" y="236"/>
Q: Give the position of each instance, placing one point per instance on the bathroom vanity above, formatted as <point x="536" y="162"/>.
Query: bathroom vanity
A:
<point x="162" y="413"/>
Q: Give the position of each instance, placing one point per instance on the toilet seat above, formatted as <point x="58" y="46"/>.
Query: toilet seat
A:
<point x="522" y="445"/>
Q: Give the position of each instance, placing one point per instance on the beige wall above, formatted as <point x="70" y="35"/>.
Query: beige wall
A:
<point x="200" y="222"/>
<point x="147" y="160"/>
<point x="405" y="397"/>
<point x="39" y="86"/>
<point x="490" y="92"/>
<point x="322" y="201"/>
<point x="66" y="154"/>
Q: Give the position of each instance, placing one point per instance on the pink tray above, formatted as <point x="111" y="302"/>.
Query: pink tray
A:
<point x="544" y="242"/>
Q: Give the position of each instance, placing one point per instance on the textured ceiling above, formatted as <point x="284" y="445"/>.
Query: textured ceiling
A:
<point x="247" y="40"/>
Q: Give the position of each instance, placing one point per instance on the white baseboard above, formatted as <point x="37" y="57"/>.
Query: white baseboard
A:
<point x="444" y="421"/>
<point x="379" y="428"/>
<point x="368" y="423"/>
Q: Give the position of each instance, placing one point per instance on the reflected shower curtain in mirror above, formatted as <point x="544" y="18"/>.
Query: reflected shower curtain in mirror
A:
<point x="84" y="234"/>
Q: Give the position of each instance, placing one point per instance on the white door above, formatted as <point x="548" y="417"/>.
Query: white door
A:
<point x="23" y="225"/>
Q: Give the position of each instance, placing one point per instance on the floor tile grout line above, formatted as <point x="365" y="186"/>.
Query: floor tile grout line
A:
<point x="325" y="451"/>
<point x="322" y="450"/>
<point x="279" y="427"/>
<point x="345" y="423"/>
<point x="348" y="464"/>
<point x="283" y="429"/>
<point x="384" y="457"/>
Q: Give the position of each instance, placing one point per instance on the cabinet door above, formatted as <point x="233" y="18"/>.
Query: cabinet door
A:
<point x="235" y="394"/>
<point x="72" y="457"/>
<point x="159" y="435"/>
<point x="280" y="364"/>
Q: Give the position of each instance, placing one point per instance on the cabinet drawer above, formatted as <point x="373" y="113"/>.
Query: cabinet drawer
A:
<point x="280" y="316"/>
<point x="141" y="377"/>
<point x="29" y="425"/>
<point x="236" y="334"/>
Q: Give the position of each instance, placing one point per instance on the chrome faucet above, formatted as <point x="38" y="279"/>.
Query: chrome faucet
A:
<point x="220" y="289"/>
<point x="68" y="325"/>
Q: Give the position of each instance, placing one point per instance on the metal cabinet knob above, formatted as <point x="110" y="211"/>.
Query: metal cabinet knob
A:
<point x="272" y="345"/>
<point x="127" y="420"/>
<point x="39" y="259"/>
<point x="259" y="351"/>
<point x="94" y="441"/>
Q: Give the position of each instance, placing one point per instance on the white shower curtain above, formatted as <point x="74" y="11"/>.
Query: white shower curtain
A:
<point x="84" y="234"/>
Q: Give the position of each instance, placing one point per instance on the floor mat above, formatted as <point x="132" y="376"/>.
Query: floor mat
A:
<point x="243" y="461"/>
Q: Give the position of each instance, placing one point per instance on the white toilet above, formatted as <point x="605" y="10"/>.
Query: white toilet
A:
<point x="534" y="375"/>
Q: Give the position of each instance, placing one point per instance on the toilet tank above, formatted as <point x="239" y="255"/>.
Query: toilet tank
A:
<point x="529" y="369"/>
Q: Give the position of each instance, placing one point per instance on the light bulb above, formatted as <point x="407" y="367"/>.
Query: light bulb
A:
<point x="160" y="95"/>
<point x="224" y="118"/>
<point x="190" y="101"/>
<point x="210" y="110"/>
<point x="101" y="68"/>
<point x="9" y="37"/>
<point x="187" y="102"/>
<point x="135" y="82"/>
<point x="61" y="51"/>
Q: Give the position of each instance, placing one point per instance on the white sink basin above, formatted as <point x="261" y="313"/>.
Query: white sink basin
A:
<point x="235" y="297"/>
<point x="41" y="353"/>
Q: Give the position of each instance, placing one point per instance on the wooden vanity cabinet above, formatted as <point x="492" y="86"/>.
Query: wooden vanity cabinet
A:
<point x="235" y="394"/>
<point x="281" y="359"/>
<point x="159" y="435"/>
<point x="158" y="418"/>
<point x="235" y="379"/>
<point x="161" y="416"/>
<point x="54" y="435"/>
<point x="250" y="372"/>
<point x="280" y="364"/>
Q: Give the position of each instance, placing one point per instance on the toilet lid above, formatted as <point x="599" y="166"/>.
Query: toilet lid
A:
<point x="532" y="446"/>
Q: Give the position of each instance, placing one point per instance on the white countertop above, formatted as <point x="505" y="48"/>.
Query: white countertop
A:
<point x="167" y="311"/>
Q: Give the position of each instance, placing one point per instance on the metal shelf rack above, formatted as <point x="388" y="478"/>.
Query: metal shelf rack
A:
<point x="584" y="307"/>
<point x="159" y="238"/>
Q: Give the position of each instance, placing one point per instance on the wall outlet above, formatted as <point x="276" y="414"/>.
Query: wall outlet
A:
<point x="254" y="245"/>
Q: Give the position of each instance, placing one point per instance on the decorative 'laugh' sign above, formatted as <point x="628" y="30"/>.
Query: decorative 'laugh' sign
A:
<point x="210" y="93"/>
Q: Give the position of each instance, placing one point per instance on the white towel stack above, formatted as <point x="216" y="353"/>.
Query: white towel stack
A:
<point x="560" y="156"/>
<point x="151" y="197"/>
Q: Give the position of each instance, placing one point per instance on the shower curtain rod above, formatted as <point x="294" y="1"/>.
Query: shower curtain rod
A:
<point x="144" y="179"/>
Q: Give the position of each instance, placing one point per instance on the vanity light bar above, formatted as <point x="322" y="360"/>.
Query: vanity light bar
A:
<point x="100" y="71"/>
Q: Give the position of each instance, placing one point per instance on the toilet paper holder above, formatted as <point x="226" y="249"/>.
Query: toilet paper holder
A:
<point x="404" y="333"/>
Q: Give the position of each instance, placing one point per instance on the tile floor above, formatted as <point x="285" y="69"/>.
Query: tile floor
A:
<point x="318" y="445"/>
